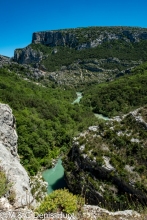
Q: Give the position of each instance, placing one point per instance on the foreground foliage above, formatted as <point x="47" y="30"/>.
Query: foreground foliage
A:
<point x="3" y="183"/>
<point x="60" y="201"/>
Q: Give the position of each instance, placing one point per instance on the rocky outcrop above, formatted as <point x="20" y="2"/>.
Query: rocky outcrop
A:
<point x="91" y="70"/>
<point x="4" y="60"/>
<point x="92" y="168"/>
<point x="8" y="135"/>
<point x="83" y="167"/>
<point x="34" y="73"/>
<point x="9" y="160"/>
<point x="55" y="38"/>
<point x="94" y="212"/>
<point x="27" y="56"/>
<point x="81" y="71"/>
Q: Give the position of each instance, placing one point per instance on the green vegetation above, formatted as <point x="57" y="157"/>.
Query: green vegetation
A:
<point x="46" y="120"/>
<point x="117" y="144"/>
<point x="12" y="196"/>
<point x="116" y="48"/>
<point x="61" y="201"/>
<point x="5" y="187"/>
<point x="123" y="145"/>
<point x="3" y="183"/>
<point x="119" y="96"/>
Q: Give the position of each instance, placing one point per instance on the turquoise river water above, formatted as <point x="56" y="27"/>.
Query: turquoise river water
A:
<point x="79" y="96"/>
<point x="55" y="175"/>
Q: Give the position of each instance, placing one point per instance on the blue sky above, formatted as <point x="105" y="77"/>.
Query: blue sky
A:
<point x="20" y="18"/>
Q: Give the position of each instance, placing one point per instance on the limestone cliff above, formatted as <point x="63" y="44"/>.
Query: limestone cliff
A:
<point x="4" y="60"/>
<point x="55" y="38"/>
<point x="88" y="37"/>
<point x="9" y="160"/>
<point x="27" y="56"/>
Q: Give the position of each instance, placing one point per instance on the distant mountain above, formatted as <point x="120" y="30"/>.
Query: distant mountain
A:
<point x="85" y="55"/>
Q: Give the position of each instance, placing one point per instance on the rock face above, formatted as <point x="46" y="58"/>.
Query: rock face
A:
<point x="4" y="60"/>
<point x="88" y="71"/>
<point x="92" y="168"/>
<point x="9" y="160"/>
<point x="27" y="56"/>
<point x="93" y="212"/>
<point x="92" y="37"/>
<point x="55" y="38"/>
<point x="8" y="135"/>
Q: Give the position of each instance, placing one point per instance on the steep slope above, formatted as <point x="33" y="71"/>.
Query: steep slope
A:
<point x="107" y="163"/>
<point x="46" y="119"/>
<point x="119" y="96"/>
<point x="4" y="61"/>
<point x="18" y="189"/>
<point x="85" y="55"/>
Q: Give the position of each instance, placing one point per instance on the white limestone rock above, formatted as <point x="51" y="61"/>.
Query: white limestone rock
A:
<point x="93" y="212"/>
<point x="9" y="160"/>
<point x="8" y="135"/>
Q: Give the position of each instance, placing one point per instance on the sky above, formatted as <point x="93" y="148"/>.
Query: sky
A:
<point x="20" y="18"/>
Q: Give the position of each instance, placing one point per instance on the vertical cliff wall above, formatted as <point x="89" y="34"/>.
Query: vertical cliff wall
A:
<point x="9" y="159"/>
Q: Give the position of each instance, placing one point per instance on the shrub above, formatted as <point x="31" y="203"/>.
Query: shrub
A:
<point x="11" y="196"/>
<point x="60" y="200"/>
<point x="3" y="183"/>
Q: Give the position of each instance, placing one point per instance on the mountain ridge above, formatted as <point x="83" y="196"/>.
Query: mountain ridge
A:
<point x="77" y="56"/>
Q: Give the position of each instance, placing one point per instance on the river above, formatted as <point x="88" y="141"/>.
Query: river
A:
<point x="55" y="175"/>
<point x="77" y="100"/>
<point x="79" y="96"/>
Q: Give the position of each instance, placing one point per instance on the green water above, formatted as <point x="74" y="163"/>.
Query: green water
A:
<point x="100" y="116"/>
<point x="55" y="177"/>
<point x="77" y="100"/>
<point x="79" y="96"/>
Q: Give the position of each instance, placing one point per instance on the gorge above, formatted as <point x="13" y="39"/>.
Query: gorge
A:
<point x="104" y="160"/>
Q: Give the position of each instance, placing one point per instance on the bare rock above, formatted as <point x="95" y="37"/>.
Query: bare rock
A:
<point x="9" y="160"/>
<point x="27" y="55"/>
<point x="93" y="212"/>
<point x="8" y="135"/>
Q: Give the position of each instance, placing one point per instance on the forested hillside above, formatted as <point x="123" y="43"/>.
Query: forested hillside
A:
<point x="116" y="48"/>
<point x="119" y="96"/>
<point x="46" y="120"/>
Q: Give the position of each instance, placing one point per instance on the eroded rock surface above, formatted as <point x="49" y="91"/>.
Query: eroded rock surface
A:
<point x="4" y="60"/>
<point x="101" y="175"/>
<point x="27" y="56"/>
<point x="9" y="160"/>
<point x="74" y="37"/>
